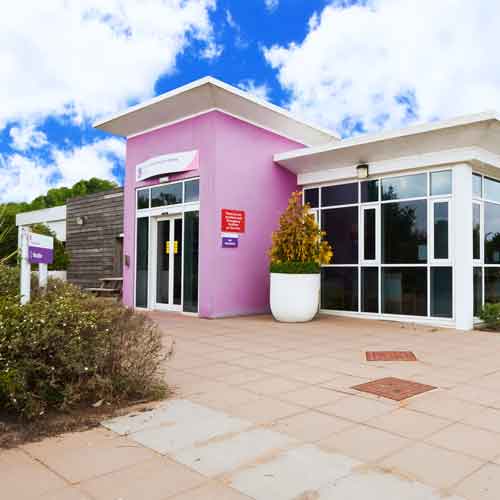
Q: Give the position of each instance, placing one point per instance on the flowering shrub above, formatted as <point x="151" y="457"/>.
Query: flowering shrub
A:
<point x="298" y="245"/>
<point x="66" y="348"/>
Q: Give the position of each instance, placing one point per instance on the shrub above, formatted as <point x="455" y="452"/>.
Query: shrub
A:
<point x="490" y="315"/>
<point x="295" y="267"/>
<point x="66" y="348"/>
<point x="298" y="245"/>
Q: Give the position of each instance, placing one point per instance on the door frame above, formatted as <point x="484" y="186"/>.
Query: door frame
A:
<point x="154" y="264"/>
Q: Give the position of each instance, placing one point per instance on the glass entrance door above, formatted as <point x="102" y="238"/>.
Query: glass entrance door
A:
<point x="169" y="263"/>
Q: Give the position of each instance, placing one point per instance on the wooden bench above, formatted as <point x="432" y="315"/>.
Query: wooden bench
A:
<point x="109" y="287"/>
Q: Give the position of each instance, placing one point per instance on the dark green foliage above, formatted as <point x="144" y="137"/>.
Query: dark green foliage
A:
<point x="295" y="267"/>
<point x="67" y="348"/>
<point x="54" y="197"/>
<point x="490" y="315"/>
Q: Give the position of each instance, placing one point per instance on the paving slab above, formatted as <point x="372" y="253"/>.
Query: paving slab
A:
<point x="292" y="474"/>
<point x="377" y="485"/>
<point x="234" y="451"/>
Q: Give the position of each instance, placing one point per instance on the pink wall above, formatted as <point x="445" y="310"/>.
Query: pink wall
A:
<point x="236" y="280"/>
<point x="236" y="172"/>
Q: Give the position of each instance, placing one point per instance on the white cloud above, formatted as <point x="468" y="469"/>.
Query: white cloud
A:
<point x="23" y="178"/>
<point x="239" y="40"/>
<point x="26" y="136"/>
<point x="391" y="61"/>
<point x="87" y="58"/>
<point x="271" y="5"/>
<point x="261" y="91"/>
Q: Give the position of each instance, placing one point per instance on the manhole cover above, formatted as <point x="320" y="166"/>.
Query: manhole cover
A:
<point x="390" y="356"/>
<point x="394" y="388"/>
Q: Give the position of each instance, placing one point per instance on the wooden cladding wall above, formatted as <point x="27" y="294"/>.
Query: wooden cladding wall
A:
<point x="94" y="225"/>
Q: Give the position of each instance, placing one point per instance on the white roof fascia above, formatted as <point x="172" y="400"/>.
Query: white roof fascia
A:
<point x="209" y="93"/>
<point x="42" y="216"/>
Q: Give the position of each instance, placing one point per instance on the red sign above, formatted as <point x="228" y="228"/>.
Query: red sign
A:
<point x="232" y="221"/>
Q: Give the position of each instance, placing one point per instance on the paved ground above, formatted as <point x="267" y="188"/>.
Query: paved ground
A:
<point x="266" y="411"/>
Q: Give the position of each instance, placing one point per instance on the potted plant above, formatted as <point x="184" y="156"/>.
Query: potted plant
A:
<point x="297" y="253"/>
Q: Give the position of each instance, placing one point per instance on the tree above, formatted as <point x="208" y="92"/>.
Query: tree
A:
<point x="54" y="197"/>
<point x="298" y="245"/>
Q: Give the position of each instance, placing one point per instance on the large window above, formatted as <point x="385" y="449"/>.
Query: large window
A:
<point x="174" y="193"/>
<point x="486" y="240"/>
<point x="391" y="244"/>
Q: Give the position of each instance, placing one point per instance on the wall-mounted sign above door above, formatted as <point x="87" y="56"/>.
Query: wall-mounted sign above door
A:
<point x="232" y="221"/>
<point x="166" y="164"/>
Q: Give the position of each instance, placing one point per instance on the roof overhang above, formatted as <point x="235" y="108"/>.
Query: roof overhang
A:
<point x="209" y="94"/>
<point x="474" y="138"/>
<point x="42" y="216"/>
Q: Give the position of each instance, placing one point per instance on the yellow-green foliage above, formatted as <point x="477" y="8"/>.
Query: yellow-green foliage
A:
<point x="299" y="238"/>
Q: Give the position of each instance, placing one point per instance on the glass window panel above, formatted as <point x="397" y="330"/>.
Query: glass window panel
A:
<point x="441" y="183"/>
<point x="191" y="245"/>
<point x="442" y="292"/>
<point x="404" y="232"/>
<point x="441" y="230"/>
<point x="192" y="191"/>
<point x="311" y="196"/>
<point x="339" y="288"/>
<point x="178" y="251"/>
<point x="343" y="194"/>
<point x="141" y="280"/>
<point x="491" y="189"/>
<point x="477" y="185"/>
<point x="404" y="291"/>
<point x="478" y="290"/>
<point x="163" y="249"/>
<point x="408" y="186"/>
<point x="169" y="194"/>
<point x="491" y="285"/>
<point x="369" y="289"/>
<point x="369" y="191"/>
<point x="491" y="233"/>
<point x="341" y="227"/>
<point x="142" y="198"/>
<point x="369" y="226"/>
<point x="476" y="231"/>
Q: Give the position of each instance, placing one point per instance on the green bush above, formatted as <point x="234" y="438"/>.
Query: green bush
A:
<point x="294" y="267"/>
<point x="490" y="315"/>
<point x="67" y="348"/>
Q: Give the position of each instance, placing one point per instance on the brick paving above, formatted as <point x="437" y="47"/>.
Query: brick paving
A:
<point x="267" y="411"/>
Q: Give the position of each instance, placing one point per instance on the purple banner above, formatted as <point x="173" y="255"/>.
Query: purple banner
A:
<point x="37" y="255"/>
<point x="229" y="242"/>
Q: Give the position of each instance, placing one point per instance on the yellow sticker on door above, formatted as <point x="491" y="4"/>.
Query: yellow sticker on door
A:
<point x="167" y="247"/>
<point x="176" y="246"/>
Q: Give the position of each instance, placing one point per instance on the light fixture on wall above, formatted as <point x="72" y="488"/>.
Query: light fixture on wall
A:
<point x="81" y="220"/>
<point x="362" y="171"/>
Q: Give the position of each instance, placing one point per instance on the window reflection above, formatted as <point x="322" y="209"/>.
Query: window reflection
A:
<point x="441" y="183"/>
<point x="408" y="186"/>
<point x="169" y="194"/>
<point x="343" y="194"/>
<point x="404" y="291"/>
<point x="404" y="232"/>
<point x="339" y="288"/>
<point x="341" y="227"/>
<point x="491" y="233"/>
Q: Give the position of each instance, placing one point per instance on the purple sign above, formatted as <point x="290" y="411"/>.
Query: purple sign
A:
<point x="37" y="255"/>
<point x="229" y="242"/>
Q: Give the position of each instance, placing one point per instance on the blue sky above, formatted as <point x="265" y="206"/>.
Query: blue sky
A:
<point x="350" y="66"/>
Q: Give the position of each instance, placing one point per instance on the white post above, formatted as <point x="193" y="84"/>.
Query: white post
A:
<point x="25" y="285"/>
<point x="462" y="247"/>
<point x="43" y="276"/>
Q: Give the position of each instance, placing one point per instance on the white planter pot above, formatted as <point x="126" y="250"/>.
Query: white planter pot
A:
<point x="294" y="297"/>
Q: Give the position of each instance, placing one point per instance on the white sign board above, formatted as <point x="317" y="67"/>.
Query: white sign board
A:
<point x="166" y="164"/>
<point x="40" y="241"/>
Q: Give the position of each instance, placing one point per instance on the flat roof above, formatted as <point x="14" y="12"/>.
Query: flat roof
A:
<point x="208" y="94"/>
<point x="478" y="130"/>
<point x="41" y="216"/>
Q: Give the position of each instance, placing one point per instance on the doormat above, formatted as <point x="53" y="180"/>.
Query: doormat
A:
<point x="394" y="388"/>
<point x="390" y="356"/>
